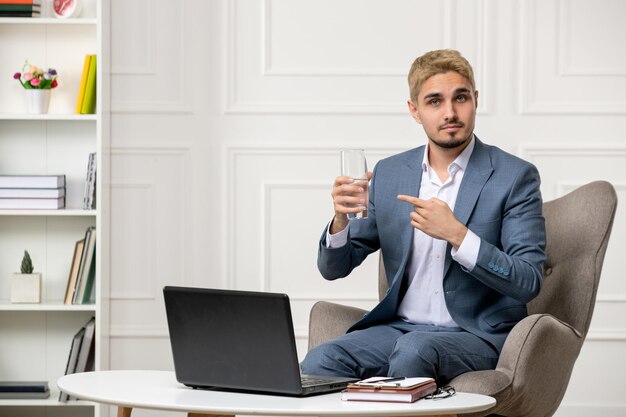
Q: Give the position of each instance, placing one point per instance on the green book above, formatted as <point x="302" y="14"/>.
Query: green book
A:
<point x="89" y="101"/>
<point x="19" y="8"/>
<point x="89" y="284"/>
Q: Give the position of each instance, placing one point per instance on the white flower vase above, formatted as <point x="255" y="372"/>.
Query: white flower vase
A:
<point x="38" y="101"/>
<point x="26" y="288"/>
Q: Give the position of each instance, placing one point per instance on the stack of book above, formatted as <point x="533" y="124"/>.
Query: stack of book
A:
<point x="86" y="102"/>
<point x="18" y="390"/>
<point x="82" y="350"/>
<point x="20" y="8"/>
<point x="80" y="283"/>
<point x="32" y="191"/>
<point x="400" y="390"/>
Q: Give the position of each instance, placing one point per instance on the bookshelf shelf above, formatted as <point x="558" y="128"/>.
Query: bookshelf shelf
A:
<point x="39" y="337"/>
<point x="45" y="213"/>
<point x="5" y="305"/>
<point x="46" y="21"/>
<point x="49" y="117"/>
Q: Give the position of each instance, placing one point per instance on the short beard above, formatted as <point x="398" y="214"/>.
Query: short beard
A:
<point x="453" y="143"/>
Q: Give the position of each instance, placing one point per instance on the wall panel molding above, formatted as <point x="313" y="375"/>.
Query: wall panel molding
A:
<point x="550" y="83"/>
<point x="148" y="291"/>
<point x="272" y="77"/>
<point x="232" y="156"/>
<point x="566" y="46"/>
<point x="154" y="66"/>
<point x="270" y="69"/>
<point x="157" y="171"/>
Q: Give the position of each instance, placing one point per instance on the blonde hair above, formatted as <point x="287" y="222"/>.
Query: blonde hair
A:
<point x="437" y="62"/>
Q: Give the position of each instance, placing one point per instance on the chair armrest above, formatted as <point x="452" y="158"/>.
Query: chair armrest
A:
<point x="330" y="320"/>
<point x="533" y="370"/>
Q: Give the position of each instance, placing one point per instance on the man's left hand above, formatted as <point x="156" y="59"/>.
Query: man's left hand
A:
<point x="435" y="218"/>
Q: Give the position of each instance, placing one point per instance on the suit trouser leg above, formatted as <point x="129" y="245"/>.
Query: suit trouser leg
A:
<point x="440" y="354"/>
<point x="358" y="354"/>
<point x="402" y="349"/>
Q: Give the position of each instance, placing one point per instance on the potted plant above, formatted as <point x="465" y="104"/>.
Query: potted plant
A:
<point x="26" y="286"/>
<point x="38" y="83"/>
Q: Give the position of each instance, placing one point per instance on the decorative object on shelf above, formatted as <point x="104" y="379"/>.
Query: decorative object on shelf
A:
<point x="66" y="8"/>
<point x="38" y="83"/>
<point x="38" y="101"/>
<point x="26" y="287"/>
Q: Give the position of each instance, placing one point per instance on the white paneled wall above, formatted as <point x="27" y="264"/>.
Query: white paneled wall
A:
<point x="228" y="116"/>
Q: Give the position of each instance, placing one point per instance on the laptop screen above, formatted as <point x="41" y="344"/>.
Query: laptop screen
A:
<point x="232" y="339"/>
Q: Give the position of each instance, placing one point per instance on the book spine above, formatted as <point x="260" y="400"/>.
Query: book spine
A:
<point x="19" y="8"/>
<point x="89" y="101"/>
<point x="18" y="14"/>
<point x="28" y="2"/>
<point x="71" y="280"/>
<point x="32" y="181"/>
<point x="90" y="184"/>
<point x="32" y="203"/>
<point x="83" y="261"/>
<point x="83" y="84"/>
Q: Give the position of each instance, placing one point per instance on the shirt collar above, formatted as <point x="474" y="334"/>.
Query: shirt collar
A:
<point x="461" y="161"/>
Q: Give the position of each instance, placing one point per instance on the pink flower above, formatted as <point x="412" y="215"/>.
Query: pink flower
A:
<point x="32" y="76"/>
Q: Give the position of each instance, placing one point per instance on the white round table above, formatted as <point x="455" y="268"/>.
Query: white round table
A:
<point x="159" y="390"/>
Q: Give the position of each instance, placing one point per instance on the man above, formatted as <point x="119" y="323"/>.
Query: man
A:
<point x="462" y="236"/>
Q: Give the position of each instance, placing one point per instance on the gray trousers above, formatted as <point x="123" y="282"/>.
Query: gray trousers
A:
<point x="402" y="349"/>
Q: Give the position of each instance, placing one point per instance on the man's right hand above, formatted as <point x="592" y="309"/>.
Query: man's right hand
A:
<point x="347" y="198"/>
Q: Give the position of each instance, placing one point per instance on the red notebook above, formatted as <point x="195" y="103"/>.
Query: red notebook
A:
<point x="406" y="390"/>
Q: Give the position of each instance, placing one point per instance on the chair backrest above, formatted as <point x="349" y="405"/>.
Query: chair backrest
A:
<point x="578" y="226"/>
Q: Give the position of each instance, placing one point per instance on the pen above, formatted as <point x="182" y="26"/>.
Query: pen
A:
<point x="392" y="379"/>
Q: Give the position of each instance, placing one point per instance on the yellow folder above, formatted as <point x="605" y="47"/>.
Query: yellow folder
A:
<point x="83" y="83"/>
<point x="89" y="100"/>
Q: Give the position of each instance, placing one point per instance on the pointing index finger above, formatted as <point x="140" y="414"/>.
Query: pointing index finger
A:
<point x="413" y="200"/>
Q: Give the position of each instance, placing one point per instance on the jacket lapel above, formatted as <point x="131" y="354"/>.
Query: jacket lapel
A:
<point x="410" y="175"/>
<point x="478" y="171"/>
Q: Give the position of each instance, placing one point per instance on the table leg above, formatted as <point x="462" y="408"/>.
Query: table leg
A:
<point x="124" y="411"/>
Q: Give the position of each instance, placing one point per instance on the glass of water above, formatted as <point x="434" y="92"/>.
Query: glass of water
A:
<point x="354" y="165"/>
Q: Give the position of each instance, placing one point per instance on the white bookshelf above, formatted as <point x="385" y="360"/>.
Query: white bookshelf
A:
<point x="36" y="338"/>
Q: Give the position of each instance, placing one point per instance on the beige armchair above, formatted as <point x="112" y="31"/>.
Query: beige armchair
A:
<point x="538" y="356"/>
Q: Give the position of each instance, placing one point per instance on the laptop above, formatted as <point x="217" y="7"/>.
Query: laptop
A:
<point x="238" y="341"/>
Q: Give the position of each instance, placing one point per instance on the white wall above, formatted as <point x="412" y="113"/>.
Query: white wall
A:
<point x="228" y="116"/>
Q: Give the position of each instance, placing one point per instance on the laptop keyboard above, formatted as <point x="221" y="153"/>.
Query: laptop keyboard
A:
<point x="308" y="381"/>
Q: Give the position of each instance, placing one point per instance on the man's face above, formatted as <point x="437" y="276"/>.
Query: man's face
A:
<point x="446" y="108"/>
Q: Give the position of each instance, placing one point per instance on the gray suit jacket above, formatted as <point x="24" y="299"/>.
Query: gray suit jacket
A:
<point x="499" y="200"/>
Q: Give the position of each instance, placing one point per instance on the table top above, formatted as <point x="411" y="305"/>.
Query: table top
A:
<point x="159" y="390"/>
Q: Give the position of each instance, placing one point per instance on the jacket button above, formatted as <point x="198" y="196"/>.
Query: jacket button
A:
<point x="490" y="265"/>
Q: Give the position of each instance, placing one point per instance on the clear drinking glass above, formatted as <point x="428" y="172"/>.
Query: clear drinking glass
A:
<point x="354" y="165"/>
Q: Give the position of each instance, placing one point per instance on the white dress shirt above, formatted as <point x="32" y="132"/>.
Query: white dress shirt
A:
<point x="424" y="301"/>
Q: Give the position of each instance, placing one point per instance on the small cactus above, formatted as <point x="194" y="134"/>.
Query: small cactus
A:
<point x="27" y="264"/>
